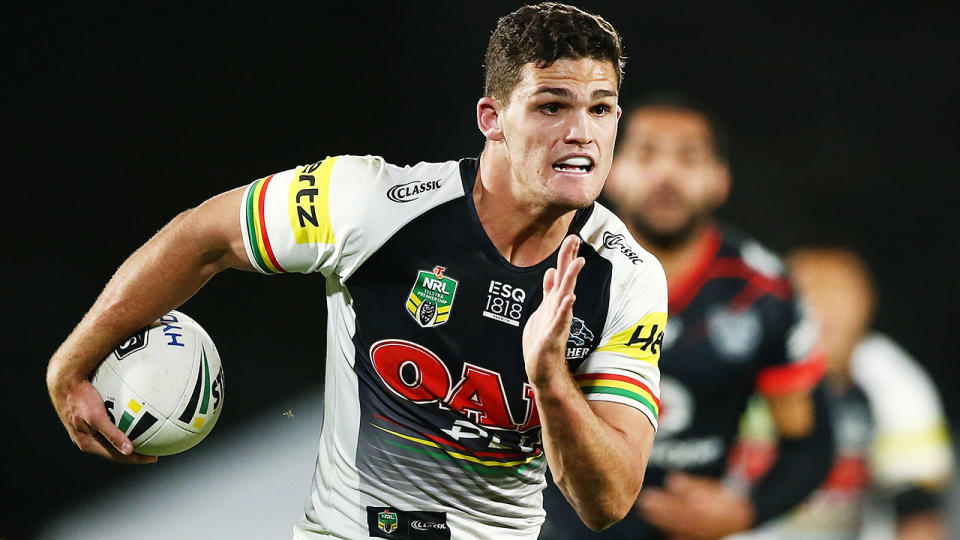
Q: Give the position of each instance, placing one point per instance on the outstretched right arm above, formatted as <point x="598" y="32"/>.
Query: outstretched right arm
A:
<point x="159" y="276"/>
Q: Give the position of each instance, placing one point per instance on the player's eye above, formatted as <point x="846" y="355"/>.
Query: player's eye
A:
<point x="550" y="108"/>
<point x="600" y="110"/>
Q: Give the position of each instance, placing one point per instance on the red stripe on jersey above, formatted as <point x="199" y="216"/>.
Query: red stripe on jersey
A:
<point x="757" y="283"/>
<point x="683" y="290"/>
<point x="263" y="223"/>
<point x="799" y="376"/>
<point x="622" y="378"/>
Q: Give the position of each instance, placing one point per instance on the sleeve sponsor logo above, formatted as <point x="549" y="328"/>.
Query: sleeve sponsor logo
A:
<point x="617" y="241"/>
<point x="412" y="191"/>
<point x="642" y="341"/>
<point x="308" y="204"/>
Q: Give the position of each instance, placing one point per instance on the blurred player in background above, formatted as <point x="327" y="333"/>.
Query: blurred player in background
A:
<point x="893" y="451"/>
<point x="735" y="328"/>
<point x="453" y="291"/>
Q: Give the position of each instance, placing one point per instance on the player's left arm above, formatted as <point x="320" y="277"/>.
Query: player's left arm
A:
<point x="597" y="450"/>
<point x="800" y="410"/>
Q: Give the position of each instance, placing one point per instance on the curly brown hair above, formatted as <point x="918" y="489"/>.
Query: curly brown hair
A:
<point x="541" y="34"/>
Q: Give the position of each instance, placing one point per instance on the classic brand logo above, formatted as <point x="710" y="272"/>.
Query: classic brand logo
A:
<point x="412" y="191"/>
<point x="387" y="521"/>
<point x="431" y="297"/>
<point x="616" y="241"/>
<point x="420" y="525"/>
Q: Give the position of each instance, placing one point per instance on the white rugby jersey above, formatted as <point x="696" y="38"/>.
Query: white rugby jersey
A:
<point x="430" y="427"/>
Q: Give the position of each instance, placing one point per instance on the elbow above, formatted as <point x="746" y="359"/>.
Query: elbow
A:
<point x="606" y="514"/>
<point x="607" y="509"/>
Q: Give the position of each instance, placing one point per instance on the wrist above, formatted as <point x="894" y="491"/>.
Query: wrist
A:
<point x="552" y="385"/>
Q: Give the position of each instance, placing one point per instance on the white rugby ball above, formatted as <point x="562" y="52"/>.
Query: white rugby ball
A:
<point x="163" y="386"/>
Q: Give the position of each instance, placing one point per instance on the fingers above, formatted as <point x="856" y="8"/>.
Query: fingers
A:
<point x="94" y="433"/>
<point x="118" y="441"/>
<point x="568" y="265"/>
<point x="549" y="280"/>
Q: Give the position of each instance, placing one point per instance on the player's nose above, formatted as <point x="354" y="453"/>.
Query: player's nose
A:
<point x="578" y="129"/>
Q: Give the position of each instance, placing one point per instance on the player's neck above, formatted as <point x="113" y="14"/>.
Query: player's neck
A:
<point x="678" y="258"/>
<point x="524" y="233"/>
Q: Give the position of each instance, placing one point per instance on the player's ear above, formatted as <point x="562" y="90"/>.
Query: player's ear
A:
<point x="721" y="184"/>
<point x="488" y="118"/>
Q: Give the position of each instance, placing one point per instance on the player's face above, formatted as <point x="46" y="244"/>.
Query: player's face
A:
<point x="841" y="300"/>
<point x="666" y="178"/>
<point x="559" y="130"/>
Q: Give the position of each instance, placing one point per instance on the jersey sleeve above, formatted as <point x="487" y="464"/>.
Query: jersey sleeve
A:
<point x="792" y="358"/>
<point x="325" y="217"/>
<point x="624" y="368"/>
<point x="912" y="442"/>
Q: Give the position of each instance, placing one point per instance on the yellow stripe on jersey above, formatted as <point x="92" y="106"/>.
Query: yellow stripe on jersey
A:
<point x="641" y="341"/>
<point x="309" y="207"/>
<point x="259" y="222"/>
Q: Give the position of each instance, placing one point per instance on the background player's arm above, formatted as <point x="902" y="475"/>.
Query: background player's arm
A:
<point x="597" y="451"/>
<point x="161" y="275"/>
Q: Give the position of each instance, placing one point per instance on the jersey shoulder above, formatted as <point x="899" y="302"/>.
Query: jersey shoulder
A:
<point x="912" y="438"/>
<point x="881" y="367"/>
<point x="606" y="234"/>
<point x="329" y="216"/>
<point x="756" y="258"/>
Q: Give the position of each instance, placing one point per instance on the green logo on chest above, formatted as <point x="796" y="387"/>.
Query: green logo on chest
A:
<point x="431" y="297"/>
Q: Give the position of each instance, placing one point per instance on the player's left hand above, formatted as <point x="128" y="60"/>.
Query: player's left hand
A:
<point x="695" y="507"/>
<point x="546" y="333"/>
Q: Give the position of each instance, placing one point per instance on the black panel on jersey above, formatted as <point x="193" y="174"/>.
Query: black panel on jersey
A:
<point x="450" y="236"/>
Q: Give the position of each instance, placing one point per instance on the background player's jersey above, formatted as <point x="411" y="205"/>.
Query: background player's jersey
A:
<point x="886" y="448"/>
<point x="735" y="328"/>
<point x="430" y="426"/>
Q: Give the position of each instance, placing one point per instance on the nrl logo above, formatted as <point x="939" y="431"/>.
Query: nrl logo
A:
<point x="431" y="297"/>
<point x="387" y="521"/>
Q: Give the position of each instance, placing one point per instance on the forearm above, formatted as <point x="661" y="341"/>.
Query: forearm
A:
<point x="801" y="466"/>
<point x="590" y="460"/>
<point x="162" y="274"/>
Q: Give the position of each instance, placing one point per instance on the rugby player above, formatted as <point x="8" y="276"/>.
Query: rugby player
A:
<point x="893" y="456"/>
<point x="485" y="317"/>
<point x="735" y="328"/>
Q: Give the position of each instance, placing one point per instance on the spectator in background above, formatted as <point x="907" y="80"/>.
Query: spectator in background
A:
<point x="735" y="328"/>
<point x="892" y="442"/>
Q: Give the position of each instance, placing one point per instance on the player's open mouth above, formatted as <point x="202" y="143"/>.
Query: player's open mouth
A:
<point x="576" y="165"/>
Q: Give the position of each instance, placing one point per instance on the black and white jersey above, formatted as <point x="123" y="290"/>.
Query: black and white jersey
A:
<point x="430" y="426"/>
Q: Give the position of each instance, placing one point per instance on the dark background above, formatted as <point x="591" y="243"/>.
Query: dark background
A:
<point x="842" y="118"/>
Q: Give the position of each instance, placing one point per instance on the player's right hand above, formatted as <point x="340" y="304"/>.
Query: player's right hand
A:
<point x="81" y="410"/>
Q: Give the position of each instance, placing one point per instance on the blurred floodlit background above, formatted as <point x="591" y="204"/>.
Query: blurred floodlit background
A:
<point x="839" y="115"/>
